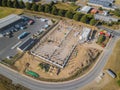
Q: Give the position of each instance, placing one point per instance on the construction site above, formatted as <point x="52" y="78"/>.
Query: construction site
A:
<point x="67" y="48"/>
<point x="57" y="47"/>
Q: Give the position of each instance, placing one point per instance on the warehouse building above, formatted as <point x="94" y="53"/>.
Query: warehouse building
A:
<point x="105" y="4"/>
<point x="4" y="22"/>
<point x="105" y="18"/>
<point x="86" y="9"/>
<point x="85" y="35"/>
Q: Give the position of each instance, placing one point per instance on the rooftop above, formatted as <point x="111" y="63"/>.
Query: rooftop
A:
<point x="86" y="9"/>
<point x="8" y="20"/>
<point x="104" y="3"/>
<point x="105" y="18"/>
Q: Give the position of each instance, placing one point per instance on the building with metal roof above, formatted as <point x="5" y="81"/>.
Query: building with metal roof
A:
<point x="30" y="1"/>
<point x="85" y="34"/>
<point x="106" y="4"/>
<point x="105" y="18"/>
<point x="9" y="20"/>
<point x="86" y="9"/>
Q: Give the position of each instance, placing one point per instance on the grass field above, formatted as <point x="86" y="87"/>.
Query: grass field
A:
<point x="2" y="87"/>
<point x="4" y="11"/>
<point x="66" y="6"/>
<point x="114" y="64"/>
<point x="117" y="2"/>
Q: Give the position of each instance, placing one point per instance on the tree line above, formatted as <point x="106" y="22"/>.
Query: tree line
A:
<point x="49" y="8"/>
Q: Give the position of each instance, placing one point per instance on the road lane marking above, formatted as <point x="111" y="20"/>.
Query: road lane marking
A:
<point x="16" y="45"/>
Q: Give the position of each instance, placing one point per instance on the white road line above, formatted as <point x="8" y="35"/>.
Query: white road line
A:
<point x="16" y="45"/>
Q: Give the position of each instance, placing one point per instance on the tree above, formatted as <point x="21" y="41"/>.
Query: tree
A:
<point x="117" y="12"/>
<point x="21" y="4"/>
<point x="9" y="3"/>
<point x="84" y="19"/>
<point x="15" y="4"/>
<point x="101" y="39"/>
<point x="54" y="10"/>
<point x="41" y="8"/>
<point x="61" y="12"/>
<point x="77" y="16"/>
<point x="52" y="3"/>
<point x="0" y="2"/>
<point x="92" y="22"/>
<point x="4" y="3"/>
<point x="100" y="8"/>
<point x="69" y="14"/>
<point x="28" y="5"/>
<point x="47" y="8"/>
<point x="34" y="7"/>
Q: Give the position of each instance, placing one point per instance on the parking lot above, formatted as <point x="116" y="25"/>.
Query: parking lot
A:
<point x="8" y="45"/>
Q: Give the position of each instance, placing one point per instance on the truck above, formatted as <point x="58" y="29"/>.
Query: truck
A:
<point x="31" y="73"/>
<point x="111" y="73"/>
<point x="24" y="34"/>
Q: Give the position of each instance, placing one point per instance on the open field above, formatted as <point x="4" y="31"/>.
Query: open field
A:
<point x="117" y="2"/>
<point x="4" y="11"/>
<point x="2" y="87"/>
<point x="106" y="82"/>
<point x="66" y="6"/>
<point x="114" y="64"/>
<point x="81" y="2"/>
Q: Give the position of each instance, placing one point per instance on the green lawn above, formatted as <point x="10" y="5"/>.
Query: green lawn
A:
<point x="66" y="6"/>
<point x="4" y="11"/>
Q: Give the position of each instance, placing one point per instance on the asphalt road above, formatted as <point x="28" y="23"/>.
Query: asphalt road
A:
<point x="70" y="85"/>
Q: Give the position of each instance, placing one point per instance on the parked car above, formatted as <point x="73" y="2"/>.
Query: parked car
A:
<point x="9" y="57"/>
<point x="30" y="22"/>
<point x="23" y="35"/>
